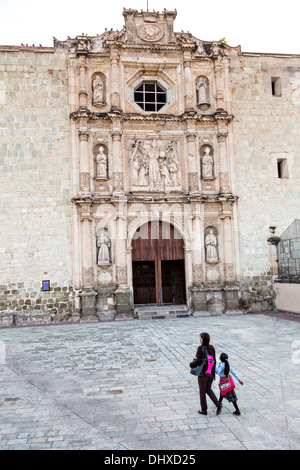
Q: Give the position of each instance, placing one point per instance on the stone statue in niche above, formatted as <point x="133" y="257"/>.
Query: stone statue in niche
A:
<point x="98" y="90"/>
<point x="101" y="160"/>
<point x="211" y="243"/>
<point x="103" y="243"/>
<point x="202" y="87"/>
<point x="207" y="164"/>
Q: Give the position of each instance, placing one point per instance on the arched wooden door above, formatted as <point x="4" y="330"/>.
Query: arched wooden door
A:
<point x="158" y="265"/>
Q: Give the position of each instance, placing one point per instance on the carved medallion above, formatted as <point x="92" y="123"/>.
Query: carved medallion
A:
<point x="150" y="32"/>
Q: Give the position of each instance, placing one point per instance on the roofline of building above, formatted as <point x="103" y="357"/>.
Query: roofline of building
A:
<point x="51" y="50"/>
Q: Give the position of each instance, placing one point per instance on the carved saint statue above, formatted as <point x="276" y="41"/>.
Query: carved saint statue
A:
<point x="97" y="90"/>
<point x="173" y="163"/>
<point x="103" y="243"/>
<point x="154" y="173"/>
<point x="207" y="164"/>
<point x="211" y="247"/>
<point x="101" y="164"/>
<point x="202" y="91"/>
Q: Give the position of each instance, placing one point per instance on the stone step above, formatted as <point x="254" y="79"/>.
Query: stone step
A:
<point x="146" y="313"/>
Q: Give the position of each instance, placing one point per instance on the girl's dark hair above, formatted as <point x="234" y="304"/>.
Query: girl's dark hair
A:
<point x="224" y="358"/>
<point x="206" y="338"/>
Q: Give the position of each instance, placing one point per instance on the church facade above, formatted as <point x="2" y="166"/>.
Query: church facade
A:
<point x="147" y="167"/>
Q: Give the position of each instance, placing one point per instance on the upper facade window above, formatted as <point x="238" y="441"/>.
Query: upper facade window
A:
<point x="150" y="96"/>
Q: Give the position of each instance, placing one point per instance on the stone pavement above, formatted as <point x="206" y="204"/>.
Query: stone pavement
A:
<point x="126" y="385"/>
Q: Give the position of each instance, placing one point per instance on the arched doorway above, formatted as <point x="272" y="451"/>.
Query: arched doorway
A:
<point x="158" y="265"/>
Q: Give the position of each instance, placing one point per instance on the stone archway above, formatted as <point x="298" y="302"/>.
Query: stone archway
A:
<point x="158" y="265"/>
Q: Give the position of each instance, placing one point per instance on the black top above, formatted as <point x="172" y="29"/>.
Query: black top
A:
<point x="199" y="355"/>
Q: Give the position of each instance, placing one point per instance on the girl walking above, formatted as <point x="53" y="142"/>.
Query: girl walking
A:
<point x="223" y="370"/>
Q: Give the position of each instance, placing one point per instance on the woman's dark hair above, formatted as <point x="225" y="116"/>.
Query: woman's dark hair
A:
<point x="206" y="338"/>
<point x="224" y="358"/>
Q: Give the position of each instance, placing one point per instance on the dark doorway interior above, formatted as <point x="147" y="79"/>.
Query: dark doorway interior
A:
<point x="144" y="282"/>
<point x="158" y="265"/>
<point x="173" y="282"/>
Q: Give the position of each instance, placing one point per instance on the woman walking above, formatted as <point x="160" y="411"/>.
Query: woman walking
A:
<point x="205" y="381"/>
<point x="223" y="370"/>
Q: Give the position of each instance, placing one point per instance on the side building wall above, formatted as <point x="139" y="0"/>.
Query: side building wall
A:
<point x="35" y="216"/>
<point x="266" y="131"/>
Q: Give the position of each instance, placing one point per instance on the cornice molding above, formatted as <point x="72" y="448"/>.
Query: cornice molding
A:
<point x="219" y="115"/>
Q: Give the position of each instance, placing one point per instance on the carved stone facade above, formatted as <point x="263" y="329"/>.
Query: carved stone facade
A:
<point x="152" y="136"/>
<point x="162" y="148"/>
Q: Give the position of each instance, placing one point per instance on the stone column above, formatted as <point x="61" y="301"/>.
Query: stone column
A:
<point x="188" y="83"/>
<point x="88" y="295"/>
<point x="118" y="166"/>
<point x="196" y="243"/>
<point x="83" y="93"/>
<point x="273" y="242"/>
<point x="115" y="81"/>
<point x="199" y="292"/>
<point x="227" y="88"/>
<point x="84" y="170"/>
<point x="230" y="287"/>
<point x="229" y="275"/>
<point x="219" y="86"/>
<point x="122" y="292"/>
<point x="193" y="176"/>
<point x="224" y="165"/>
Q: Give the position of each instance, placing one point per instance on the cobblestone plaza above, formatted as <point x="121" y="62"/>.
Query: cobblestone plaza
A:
<point x="127" y="386"/>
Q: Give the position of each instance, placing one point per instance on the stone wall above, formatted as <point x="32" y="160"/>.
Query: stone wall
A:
<point x="35" y="216"/>
<point x="266" y="129"/>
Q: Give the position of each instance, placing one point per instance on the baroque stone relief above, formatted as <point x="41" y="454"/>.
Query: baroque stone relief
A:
<point x="154" y="165"/>
<point x="150" y="32"/>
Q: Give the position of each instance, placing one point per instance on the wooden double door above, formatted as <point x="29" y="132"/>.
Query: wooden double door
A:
<point x="158" y="265"/>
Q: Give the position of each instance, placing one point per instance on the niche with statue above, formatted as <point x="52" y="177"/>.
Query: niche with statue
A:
<point x="103" y="241"/>
<point x="207" y="162"/>
<point x="98" y="88"/>
<point x="203" y="93"/>
<point x="211" y="254"/>
<point x="101" y="162"/>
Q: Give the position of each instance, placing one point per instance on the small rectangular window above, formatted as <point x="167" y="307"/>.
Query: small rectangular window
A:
<point x="276" y="86"/>
<point x="282" y="168"/>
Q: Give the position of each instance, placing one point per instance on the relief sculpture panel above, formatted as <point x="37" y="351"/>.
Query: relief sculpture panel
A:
<point x="154" y="165"/>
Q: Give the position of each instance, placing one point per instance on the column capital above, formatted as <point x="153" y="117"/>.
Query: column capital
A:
<point x="116" y="134"/>
<point x="83" y="135"/>
<point x="222" y="136"/>
<point x="85" y="211"/>
<point x="191" y="137"/>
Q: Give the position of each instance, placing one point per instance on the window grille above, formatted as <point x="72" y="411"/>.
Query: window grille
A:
<point x="150" y="96"/>
<point x="289" y="260"/>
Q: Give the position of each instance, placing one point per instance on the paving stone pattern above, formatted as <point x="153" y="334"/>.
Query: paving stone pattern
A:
<point x="127" y="385"/>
